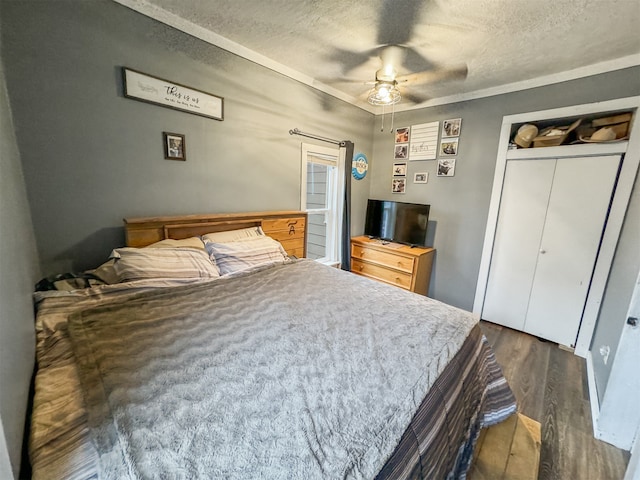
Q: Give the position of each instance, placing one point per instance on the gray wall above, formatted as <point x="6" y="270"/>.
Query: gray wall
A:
<point x="18" y="273"/>
<point x="460" y="204"/>
<point x="91" y="156"/>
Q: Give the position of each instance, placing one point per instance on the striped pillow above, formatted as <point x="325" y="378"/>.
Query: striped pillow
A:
<point x="183" y="262"/>
<point x="240" y="255"/>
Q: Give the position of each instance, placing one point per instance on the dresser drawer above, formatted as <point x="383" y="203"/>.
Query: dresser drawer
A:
<point x="383" y="258"/>
<point x="378" y="272"/>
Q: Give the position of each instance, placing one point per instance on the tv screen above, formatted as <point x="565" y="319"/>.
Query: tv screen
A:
<point x="397" y="222"/>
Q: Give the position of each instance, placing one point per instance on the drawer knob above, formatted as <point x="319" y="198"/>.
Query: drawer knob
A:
<point x="361" y="267"/>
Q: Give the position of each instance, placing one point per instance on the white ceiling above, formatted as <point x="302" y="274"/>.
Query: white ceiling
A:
<point x="333" y="45"/>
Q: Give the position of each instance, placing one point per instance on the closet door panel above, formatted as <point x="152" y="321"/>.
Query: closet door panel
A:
<point x="578" y="206"/>
<point x="525" y="194"/>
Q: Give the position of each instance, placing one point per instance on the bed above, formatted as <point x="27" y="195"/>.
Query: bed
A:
<point x="267" y="366"/>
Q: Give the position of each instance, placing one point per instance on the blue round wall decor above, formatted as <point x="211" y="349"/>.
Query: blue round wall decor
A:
<point x="359" y="166"/>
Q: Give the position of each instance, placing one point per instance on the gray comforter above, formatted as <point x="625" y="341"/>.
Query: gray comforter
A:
<point x="295" y="371"/>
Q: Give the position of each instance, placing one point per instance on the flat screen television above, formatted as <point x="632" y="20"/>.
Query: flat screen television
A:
<point x="399" y="222"/>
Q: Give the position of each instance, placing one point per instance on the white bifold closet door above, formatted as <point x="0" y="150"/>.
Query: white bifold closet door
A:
<point x="551" y="219"/>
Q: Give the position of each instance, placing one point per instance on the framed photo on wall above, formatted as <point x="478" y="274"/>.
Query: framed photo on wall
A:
<point x="401" y="151"/>
<point x="398" y="185"/>
<point x="400" y="169"/>
<point x="446" y="167"/>
<point x="174" y="146"/>
<point x="449" y="147"/>
<point x="421" y="177"/>
<point x="451" y="128"/>
<point x="402" y="135"/>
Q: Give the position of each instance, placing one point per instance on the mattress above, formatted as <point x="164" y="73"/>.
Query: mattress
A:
<point x="295" y="370"/>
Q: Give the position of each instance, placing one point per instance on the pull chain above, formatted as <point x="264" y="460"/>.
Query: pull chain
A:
<point x="393" y="113"/>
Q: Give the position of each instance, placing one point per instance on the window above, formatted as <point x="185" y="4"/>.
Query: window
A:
<point x="322" y="198"/>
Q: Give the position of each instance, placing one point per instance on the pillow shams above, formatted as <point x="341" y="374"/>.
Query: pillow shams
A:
<point x="235" y="256"/>
<point x="233" y="235"/>
<point x="142" y="263"/>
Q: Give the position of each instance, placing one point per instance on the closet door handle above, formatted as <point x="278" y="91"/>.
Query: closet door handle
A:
<point x="543" y="251"/>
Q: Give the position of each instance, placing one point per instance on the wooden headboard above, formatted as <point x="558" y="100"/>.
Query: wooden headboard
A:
<point x="288" y="227"/>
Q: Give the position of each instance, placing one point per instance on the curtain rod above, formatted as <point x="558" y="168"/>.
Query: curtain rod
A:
<point x="295" y="131"/>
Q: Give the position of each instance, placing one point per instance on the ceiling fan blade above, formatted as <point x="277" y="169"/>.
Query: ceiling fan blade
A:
<point x="414" y="98"/>
<point x="345" y="80"/>
<point x="351" y="60"/>
<point x="416" y="62"/>
<point x="396" y="21"/>
<point x="433" y="76"/>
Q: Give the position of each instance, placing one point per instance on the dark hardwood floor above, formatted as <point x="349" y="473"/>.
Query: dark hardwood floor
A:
<point x="550" y="385"/>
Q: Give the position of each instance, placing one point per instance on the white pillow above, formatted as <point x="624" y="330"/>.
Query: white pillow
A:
<point x="184" y="262"/>
<point x="233" y="235"/>
<point x="193" y="242"/>
<point x="250" y="252"/>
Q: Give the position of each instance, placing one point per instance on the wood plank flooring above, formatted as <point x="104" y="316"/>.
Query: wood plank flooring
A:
<point x="550" y="386"/>
<point x="509" y="450"/>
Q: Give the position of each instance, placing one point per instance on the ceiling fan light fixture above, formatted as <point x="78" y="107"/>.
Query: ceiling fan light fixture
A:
<point x="384" y="93"/>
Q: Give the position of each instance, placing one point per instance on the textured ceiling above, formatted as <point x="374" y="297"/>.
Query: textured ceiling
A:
<point x="334" y="45"/>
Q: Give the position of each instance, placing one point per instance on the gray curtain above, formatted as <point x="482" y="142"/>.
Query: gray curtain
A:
<point x="346" y="215"/>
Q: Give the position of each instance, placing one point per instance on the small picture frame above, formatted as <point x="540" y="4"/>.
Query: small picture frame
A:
<point x="451" y="127"/>
<point x="446" y="167"/>
<point x="449" y="147"/>
<point x="400" y="169"/>
<point x="421" y="177"/>
<point x="401" y="151"/>
<point x="402" y="134"/>
<point x="398" y="185"/>
<point x="174" y="146"/>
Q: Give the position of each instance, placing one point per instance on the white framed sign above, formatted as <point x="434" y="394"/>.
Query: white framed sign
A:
<point x="424" y="141"/>
<point x="140" y="86"/>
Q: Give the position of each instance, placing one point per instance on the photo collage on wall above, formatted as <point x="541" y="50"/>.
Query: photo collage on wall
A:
<point x="449" y="147"/>
<point x="420" y="142"/>
<point x="400" y="154"/>
<point x="405" y="149"/>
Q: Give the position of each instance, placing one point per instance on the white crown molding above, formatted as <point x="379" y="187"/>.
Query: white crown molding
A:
<point x="589" y="70"/>
<point x="190" y="28"/>
<point x="168" y="18"/>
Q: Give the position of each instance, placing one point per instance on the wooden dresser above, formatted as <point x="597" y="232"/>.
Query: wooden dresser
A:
<point x="394" y="263"/>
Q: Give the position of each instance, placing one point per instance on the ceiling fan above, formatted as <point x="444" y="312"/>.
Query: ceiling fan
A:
<point x="395" y="28"/>
<point x="386" y="87"/>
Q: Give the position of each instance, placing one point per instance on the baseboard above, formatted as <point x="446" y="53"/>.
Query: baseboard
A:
<point x="593" y="395"/>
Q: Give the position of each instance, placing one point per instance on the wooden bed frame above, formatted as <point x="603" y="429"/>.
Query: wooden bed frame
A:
<point x="288" y="227"/>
